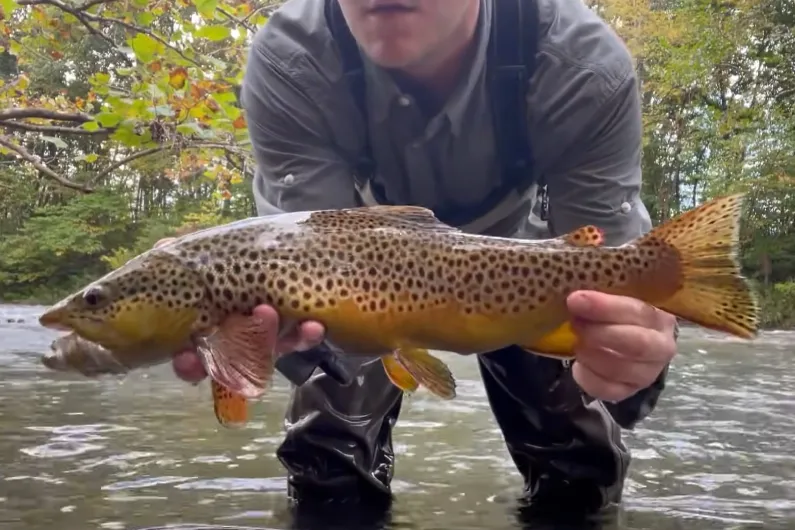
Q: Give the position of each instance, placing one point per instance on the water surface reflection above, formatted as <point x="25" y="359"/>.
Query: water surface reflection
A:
<point x="145" y="451"/>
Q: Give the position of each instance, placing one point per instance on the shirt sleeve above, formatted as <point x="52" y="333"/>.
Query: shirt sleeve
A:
<point x="598" y="181"/>
<point x="599" y="184"/>
<point x="298" y="165"/>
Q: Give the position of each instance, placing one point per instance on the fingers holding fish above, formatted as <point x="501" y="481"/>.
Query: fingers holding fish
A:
<point x="601" y="387"/>
<point x="631" y="343"/>
<point x="304" y="336"/>
<point x="188" y="366"/>
<point x="607" y="308"/>
<point x="615" y="361"/>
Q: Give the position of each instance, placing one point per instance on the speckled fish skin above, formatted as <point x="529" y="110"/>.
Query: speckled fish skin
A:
<point x="395" y="281"/>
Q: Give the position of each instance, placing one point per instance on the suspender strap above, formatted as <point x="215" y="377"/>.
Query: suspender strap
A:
<point x="353" y="71"/>
<point x="512" y="54"/>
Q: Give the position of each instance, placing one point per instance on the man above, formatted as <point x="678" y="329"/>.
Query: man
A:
<point x="431" y="135"/>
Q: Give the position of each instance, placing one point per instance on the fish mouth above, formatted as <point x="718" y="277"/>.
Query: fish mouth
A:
<point x="54" y="319"/>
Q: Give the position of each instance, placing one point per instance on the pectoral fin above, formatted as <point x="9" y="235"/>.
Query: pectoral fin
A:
<point x="238" y="355"/>
<point x="231" y="410"/>
<point x="429" y="371"/>
<point x="558" y="344"/>
<point x="399" y="376"/>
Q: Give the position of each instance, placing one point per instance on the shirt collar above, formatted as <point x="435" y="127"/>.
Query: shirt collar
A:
<point x="381" y="102"/>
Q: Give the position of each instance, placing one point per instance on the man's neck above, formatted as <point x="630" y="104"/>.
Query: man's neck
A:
<point x="436" y="77"/>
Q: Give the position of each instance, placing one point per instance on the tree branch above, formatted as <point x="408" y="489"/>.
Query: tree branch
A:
<point x="113" y="167"/>
<point x="260" y="8"/>
<point x="139" y="29"/>
<point x="36" y="163"/>
<point x="148" y="152"/>
<point x="236" y="20"/>
<point x="91" y="3"/>
<point x="784" y="94"/>
<point x="52" y="129"/>
<point x="79" y="15"/>
<point x="215" y="145"/>
<point x="19" y="114"/>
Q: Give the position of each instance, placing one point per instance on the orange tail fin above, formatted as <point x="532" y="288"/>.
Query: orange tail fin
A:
<point x="714" y="293"/>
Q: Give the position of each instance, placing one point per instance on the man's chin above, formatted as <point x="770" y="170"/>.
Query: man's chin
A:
<point x="391" y="57"/>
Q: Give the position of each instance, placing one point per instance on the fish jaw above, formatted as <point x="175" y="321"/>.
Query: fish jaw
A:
<point x="56" y="317"/>
<point x="136" y="329"/>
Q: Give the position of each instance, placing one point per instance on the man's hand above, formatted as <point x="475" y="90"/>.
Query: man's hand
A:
<point x="623" y="344"/>
<point x="189" y="367"/>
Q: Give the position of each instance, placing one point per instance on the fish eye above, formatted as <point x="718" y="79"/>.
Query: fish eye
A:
<point x="94" y="296"/>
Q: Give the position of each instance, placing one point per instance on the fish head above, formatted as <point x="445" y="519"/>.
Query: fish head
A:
<point x="150" y="306"/>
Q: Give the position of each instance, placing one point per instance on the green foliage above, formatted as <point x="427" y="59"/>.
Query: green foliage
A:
<point x="718" y="87"/>
<point x="61" y="244"/>
<point x="778" y="305"/>
<point x="119" y="125"/>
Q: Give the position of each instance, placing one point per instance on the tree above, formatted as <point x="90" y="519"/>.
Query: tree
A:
<point x="138" y="98"/>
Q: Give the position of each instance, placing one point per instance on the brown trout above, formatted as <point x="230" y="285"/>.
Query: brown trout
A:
<point x="393" y="281"/>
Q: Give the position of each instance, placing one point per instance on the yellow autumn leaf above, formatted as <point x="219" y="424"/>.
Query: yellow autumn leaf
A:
<point x="177" y="77"/>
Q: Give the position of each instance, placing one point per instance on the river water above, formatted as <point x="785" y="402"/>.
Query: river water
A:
<point x="146" y="451"/>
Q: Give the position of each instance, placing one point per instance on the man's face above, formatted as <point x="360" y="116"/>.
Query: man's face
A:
<point x="401" y="34"/>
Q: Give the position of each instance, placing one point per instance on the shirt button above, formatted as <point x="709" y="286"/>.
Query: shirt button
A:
<point x="404" y="101"/>
<point x="625" y="207"/>
<point x="289" y="179"/>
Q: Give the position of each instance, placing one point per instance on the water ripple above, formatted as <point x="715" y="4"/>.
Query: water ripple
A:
<point x="237" y="484"/>
<point x="145" y="482"/>
<point x="144" y="451"/>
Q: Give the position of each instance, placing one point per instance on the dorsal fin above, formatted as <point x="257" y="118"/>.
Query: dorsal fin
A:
<point x="585" y="236"/>
<point x="407" y="217"/>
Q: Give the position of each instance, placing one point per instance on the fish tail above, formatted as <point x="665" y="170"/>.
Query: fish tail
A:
<point x="713" y="293"/>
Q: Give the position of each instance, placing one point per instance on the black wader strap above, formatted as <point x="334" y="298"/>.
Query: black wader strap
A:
<point x="353" y="70"/>
<point x="511" y="63"/>
<point x="512" y="55"/>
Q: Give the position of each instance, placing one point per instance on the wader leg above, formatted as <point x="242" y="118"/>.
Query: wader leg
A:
<point x="567" y="448"/>
<point x="338" y="442"/>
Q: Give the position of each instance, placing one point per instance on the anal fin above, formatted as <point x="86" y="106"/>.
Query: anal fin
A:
<point x="558" y="344"/>
<point x="399" y="376"/>
<point x="231" y="410"/>
<point x="239" y="355"/>
<point x="585" y="236"/>
<point x="428" y="371"/>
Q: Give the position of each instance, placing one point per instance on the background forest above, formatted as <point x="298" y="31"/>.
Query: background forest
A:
<point x="119" y="124"/>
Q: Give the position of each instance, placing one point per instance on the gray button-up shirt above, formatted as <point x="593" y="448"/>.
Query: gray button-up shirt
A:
<point x="584" y="125"/>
